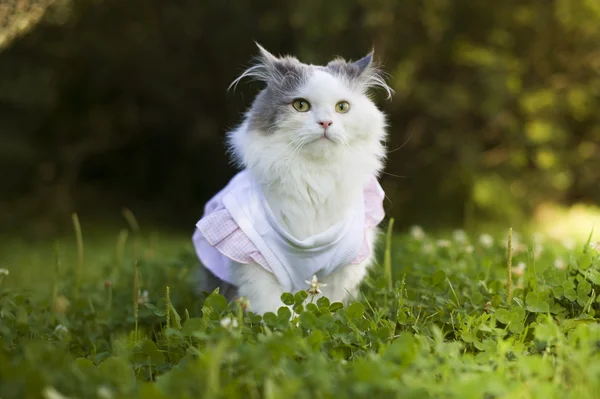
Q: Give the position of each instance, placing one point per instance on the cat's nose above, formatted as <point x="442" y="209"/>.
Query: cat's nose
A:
<point x="325" y="124"/>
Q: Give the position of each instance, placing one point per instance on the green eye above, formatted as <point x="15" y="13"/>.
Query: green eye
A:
<point x="301" y="105"/>
<point x="342" y="107"/>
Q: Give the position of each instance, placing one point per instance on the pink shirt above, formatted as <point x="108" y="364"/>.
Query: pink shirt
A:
<point x="238" y="225"/>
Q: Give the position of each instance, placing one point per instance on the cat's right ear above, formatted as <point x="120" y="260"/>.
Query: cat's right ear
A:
<point x="268" y="68"/>
<point x="276" y="68"/>
<point x="266" y="57"/>
<point x="263" y="70"/>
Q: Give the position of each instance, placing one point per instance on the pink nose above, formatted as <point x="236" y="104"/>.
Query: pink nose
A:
<point x="325" y="124"/>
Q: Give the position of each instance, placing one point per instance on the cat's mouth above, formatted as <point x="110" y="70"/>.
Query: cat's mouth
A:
<point x="324" y="137"/>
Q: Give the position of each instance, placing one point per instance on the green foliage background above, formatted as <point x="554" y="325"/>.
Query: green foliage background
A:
<point x="117" y="102"/>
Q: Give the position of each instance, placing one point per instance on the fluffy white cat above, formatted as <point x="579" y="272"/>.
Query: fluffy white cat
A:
<point x="310" y="146"/>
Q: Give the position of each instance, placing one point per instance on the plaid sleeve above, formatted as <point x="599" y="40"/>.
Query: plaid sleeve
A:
<point x="218" y="239"/>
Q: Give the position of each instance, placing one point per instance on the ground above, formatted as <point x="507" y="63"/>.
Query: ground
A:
<point x="116" y="316"/>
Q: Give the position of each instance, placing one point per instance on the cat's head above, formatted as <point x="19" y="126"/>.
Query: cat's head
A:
<point x="311" y="112"/>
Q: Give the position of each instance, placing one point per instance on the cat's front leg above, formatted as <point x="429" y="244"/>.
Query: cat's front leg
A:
<point x="260" y="287"/>
<point x="343" y="284"/>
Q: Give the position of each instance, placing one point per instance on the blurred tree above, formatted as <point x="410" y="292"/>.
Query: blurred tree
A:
<point x="105" y="103"/>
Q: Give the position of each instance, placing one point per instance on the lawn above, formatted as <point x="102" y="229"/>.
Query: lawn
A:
<point x="116" y="316"/>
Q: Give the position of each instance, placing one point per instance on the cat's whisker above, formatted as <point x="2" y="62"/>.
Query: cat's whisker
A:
<point x="297" y="142"/>
<point x="347" y="144"/>
<point x="405" y="142"/>
<point x="393" y="175"/>
<point x="296" y="150"/>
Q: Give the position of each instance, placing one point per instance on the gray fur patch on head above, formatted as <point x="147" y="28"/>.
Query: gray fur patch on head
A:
<point x="283" y="76"/>
<point x="278" y="94"/>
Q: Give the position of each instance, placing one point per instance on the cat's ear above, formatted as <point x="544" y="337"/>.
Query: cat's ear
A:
<point x="277" y="68"/>
<point x="364" y="73"/>
<point x="356" y="70"/>
<point x="269" y="68"/>
<point x="362" y="65"/>
<point x="266" y="57"/>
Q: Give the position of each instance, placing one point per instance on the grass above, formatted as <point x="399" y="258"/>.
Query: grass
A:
<point x="104" y="317"/>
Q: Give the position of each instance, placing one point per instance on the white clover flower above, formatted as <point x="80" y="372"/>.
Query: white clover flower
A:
<point x="428" y="248"/>
<point x="516" y="236"/>
<point x="519" y="270"/>
<point x="229" y="322"/>
<point x="105" y="392"/>
<point x="60" y="329"/>
<point x="4" y="272"/>
<point x="443" y="243"/>
<point x="314" y="287"/>
<point x="569" y="243"/>
<point x="595" y="246"/>
<point x="469" y="249"/>
<point x="560" y="264"/>
<point x="244" y="302"/>
<point x="60" y="304"/>
<point x="143" y="297"/>
<point x="417" y="232"/>
<point x="459" y="235"/>
<point x="51" y="393"/>
<point x="517" y="246"/>
<point x="539" y="237"/>
<point x="537" y="250"/>
<point x="486" y="240"/>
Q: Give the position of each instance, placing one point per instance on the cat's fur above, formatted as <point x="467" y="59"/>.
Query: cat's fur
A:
<point x="310" y="182"/>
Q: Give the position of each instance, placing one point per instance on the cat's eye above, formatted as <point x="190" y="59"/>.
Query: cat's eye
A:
<point x="342" y="107"/>
<point x="301" y="105"/>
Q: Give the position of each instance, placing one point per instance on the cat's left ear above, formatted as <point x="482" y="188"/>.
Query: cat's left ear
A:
<point x="362" y="65"/>
<point x="363" y="71"/>
<point x="357" y="70"/>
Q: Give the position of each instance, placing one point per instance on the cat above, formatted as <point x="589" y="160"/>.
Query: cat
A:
<point x="307" y="201"/>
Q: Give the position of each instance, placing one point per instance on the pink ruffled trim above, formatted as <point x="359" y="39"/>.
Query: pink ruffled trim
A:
<point x="223" y="233"/>
<point x="374" y="214"/>
<point x="374" y="196"/>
